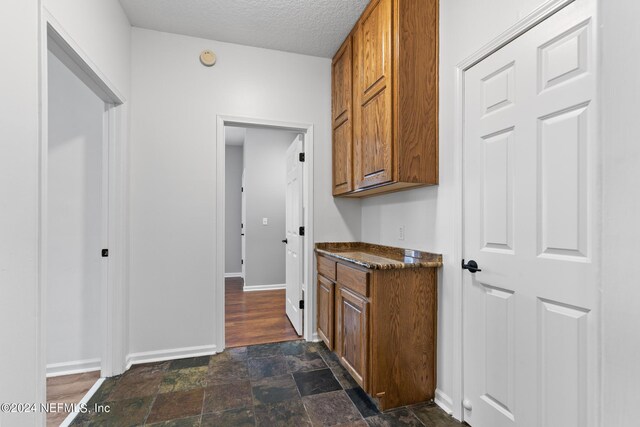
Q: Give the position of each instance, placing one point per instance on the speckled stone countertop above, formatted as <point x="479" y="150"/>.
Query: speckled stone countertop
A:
<point x="378" y="257"/>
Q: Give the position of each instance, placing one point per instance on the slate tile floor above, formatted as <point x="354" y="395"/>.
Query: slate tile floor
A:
<point x="284" y="384"/>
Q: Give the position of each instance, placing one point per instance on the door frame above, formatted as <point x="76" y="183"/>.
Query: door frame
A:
<point x="307" y="287"/>
<point x="114" y="302"/>
<point x="546" y="10"/>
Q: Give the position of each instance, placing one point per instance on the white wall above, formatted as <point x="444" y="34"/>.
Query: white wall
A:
<point x="426" y="213"/>
<point x="102" y="30"/>
<point x="74" y="215"/>
<point x="621" y="231"/>
<point x="173" y="159"/>
<point x="21" y="369"/>
<point x="233" y="208"/>
<point x="265" y="186"/>
<point x="102" y="33"/>
<point x="20" y="380"/>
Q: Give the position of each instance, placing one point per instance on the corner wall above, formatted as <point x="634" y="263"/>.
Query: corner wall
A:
<point x="620" y="104"/>
<point x="21" y="370"/>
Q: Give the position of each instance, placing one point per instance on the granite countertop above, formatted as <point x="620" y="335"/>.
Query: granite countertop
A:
<point x="378" y="257"/>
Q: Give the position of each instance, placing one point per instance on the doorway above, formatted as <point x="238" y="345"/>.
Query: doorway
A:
<point x="76" y="214"/>
<point x="530" y="229"/>
<point x="262" y="271"/>
<point x="253" y="283"/>
<point x="82" y="217"/>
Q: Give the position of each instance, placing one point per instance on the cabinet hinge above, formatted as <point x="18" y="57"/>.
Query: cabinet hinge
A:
<point x="301" y="157"/>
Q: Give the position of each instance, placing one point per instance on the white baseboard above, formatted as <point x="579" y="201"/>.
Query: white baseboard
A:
<point x="74" y="367"/>
<point x="444" y="401"/>
<point x="227" y="275"/>
<point x="263" y="287"/>
<point x="315" y="337"/>
<point x="169" y="354"/>
<point x="67" y="421"/>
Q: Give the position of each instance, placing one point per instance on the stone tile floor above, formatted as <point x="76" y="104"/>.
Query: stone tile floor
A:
<point x="283" y="384"/>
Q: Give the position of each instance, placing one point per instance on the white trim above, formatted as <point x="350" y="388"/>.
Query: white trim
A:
<point x="309" y="265"/>
<point x="443" y="401"/>
<point x="72" y="416"/>
<point x="534" y="18"/>
<point x="227" y="275"/>
<point x="114" y="296"/>
<point x="254" y="288"/>
<point x="170" y="354"/>
<point x="74" y="367"/>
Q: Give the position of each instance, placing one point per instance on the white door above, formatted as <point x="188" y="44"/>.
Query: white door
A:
<point x="530" y="222"/>
<point x="294" y="241"/>
<point x="243" y="228"/>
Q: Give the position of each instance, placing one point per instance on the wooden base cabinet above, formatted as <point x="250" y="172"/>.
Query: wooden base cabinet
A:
<point x="385" y="100"/>
<point x="352" y="339"/>
<point x="326" y="289"/>
<point x="382" y="326"/>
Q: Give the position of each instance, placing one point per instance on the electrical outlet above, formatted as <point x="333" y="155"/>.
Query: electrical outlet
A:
<point x="265" y="221"/>
<point x="401" y="232"/>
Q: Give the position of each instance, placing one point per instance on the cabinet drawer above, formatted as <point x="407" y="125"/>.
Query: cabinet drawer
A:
<point x="356" y="280"/>
<point x="327" y="267"/>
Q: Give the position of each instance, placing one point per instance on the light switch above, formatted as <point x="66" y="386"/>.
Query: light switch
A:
<point x="265" y="221"/>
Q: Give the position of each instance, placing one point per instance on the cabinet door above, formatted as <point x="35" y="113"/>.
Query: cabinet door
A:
<point x="326" y="299"/>
<point x="352" y="334"/>
<point x="342" y="94"/>
<point x="373" y="145"/>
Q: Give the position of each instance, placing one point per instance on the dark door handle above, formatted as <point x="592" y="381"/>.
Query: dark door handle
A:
<point x="285" y="241"/>
<point x="472" y="266"/>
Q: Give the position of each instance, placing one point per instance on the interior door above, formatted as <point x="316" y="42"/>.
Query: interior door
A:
<point x="243" y="228"/>
<point x="294" y="242"/>
<point x="530" y="204"/>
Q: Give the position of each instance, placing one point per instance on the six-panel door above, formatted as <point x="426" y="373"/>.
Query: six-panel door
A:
<point x="373" y="145"/>
<point x="531" y="202"/>
<point x="352" y="335"/>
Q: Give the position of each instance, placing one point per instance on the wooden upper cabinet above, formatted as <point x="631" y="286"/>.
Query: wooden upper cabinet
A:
<point x="373" y="148"/>
<point x="341" y="111"/>
<point x="394" y="94"/>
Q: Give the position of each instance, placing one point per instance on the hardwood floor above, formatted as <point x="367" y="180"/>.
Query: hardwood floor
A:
<point x="68" y="389"/>
<point x="255" y="317"/>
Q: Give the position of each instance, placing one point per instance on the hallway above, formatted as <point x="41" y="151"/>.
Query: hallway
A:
<point x="256" y="317"/>
<point x="286" y="384"/>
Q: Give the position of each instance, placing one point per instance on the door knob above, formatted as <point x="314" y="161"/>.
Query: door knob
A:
<point x="472" y="266"/>
<point x="285" y="241"/>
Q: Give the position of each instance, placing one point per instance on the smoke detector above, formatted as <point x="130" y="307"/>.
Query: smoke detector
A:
<point x="208" y="58"/>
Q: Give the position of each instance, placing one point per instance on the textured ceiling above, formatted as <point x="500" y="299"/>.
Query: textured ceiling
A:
<point x="310" y="27"/>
